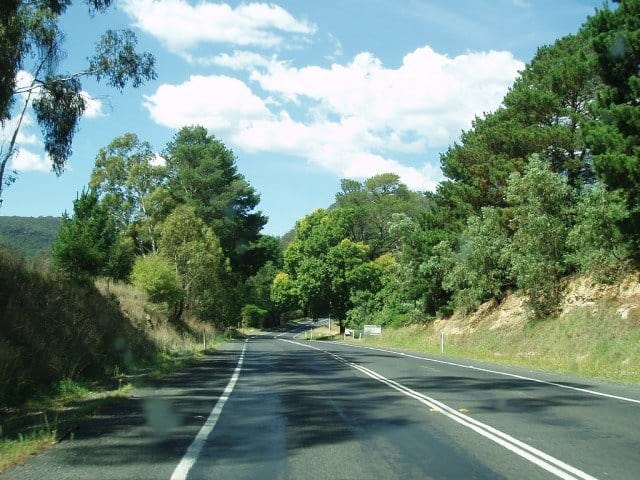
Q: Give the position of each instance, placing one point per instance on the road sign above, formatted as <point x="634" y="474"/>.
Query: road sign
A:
<point x="372" y="330"/>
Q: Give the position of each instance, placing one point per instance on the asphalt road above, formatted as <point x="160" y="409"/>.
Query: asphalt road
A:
<point x="280" y="407"/>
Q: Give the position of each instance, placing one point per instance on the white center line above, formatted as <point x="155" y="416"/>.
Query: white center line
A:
<point x="524" y="450"/>
<point x="190" y="457"/>
<point x="512" y="375"/>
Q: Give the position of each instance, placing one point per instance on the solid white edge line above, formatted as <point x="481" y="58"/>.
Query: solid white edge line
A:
<point x="513" y="375"/>
<point x="192" y="453"/>
<point x="522" y="449"/>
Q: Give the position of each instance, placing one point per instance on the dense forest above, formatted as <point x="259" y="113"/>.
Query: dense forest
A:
<point x="542" y="188"/>
<point x="545" y="187"/>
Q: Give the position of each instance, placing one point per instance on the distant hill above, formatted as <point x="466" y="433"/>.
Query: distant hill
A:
<point x="29" y="235"/>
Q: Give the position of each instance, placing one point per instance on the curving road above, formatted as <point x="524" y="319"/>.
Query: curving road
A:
<point x="280" y="407"/>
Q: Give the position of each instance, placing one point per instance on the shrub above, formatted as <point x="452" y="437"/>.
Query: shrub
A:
<point x="480" y="268"/>
<point x="598" y="246"/>
<point x="157" y="276"/>
<point x="253" y="316"/>
<point x="541" y="205"/>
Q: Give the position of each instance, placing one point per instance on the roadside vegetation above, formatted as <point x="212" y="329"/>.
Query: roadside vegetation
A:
<point x="589" y="341"/>
<point x="542" y="189"/>
<point x="164" y="247"/>
<point x="69" y="347"/>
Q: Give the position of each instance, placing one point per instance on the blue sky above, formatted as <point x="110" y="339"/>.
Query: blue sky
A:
<point x="304" y="92"/>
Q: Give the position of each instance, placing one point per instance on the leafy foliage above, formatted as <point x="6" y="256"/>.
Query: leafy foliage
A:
<point x="30" y="39"/>
<point x="202" y="173"/>
<point x="157" y="276"/>
<point x="195" y="252"/>
<point x="58" y="109"/>
<point x="541" y="206"/>
<point x="253" y="316"/>
<point x="129" y="184"/>
<point x="615" y="137"/>
<point x="479" y="268"/>
<point x="596" y="242"/>
<point x="88" y="243"/>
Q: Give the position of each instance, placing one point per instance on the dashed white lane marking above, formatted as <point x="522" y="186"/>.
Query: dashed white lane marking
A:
<point x="512" y="375"/>
<point x="524" y="450"/>
<point x="190" y="457"/>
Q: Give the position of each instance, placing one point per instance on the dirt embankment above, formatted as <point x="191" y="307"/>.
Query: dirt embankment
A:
<point x="581" y="294"/>
<point x="596" y="332"/>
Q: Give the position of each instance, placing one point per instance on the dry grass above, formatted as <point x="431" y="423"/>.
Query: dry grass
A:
<point x="593" y="341"/>
<point x="16" y="451"/>
<point x="186" y="337"/>
<point x="65" y="343"/>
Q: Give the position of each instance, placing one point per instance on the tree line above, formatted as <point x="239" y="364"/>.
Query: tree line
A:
<point x="182" y="226"/>
<point x="546" y="186"/>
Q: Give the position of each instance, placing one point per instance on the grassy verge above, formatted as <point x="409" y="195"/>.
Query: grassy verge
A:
<point x="43" y="420"/>
<point x="95" y="341"/>
<point x="591" y="342"/>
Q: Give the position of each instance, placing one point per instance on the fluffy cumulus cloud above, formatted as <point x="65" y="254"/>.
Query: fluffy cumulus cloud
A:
<point x="431" y="95"/>
<point x="221" y="103"/>
<point x="27" y="161"/>
<point x="182" y="26"/>
<point x="354" y="119"/>
<point x="93" y="106"/>
<point x="238" y="60"/>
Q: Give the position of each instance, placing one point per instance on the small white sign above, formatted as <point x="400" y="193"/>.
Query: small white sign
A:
<point x="372" y="329"/>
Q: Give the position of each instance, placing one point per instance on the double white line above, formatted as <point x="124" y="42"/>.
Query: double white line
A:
<point x="532" y="454"/>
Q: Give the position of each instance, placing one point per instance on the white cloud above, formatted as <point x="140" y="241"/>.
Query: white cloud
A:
<point x="219" y="102"/>
<point x="24" y="81"/>
<point x="238" y="60"/>
<point x="93" y="106"/>
<point x="431" y="94"/>
<point x="158" y="161"/>
<point x="181" y="26"/>
<point x="351" y="119"/>
<point x="26" y="161"/>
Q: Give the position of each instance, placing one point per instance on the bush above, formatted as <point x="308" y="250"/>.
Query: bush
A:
<point x="88" y="243"/>
<point x="598" y="246"/>
<point x="253" y="316"/>
<point x="157" y="276"/>
<point x="480" y="268"/>
<point x="541" y="206"/>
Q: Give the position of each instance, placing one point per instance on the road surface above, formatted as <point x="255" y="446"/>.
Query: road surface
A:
<point x="280" y="407"/>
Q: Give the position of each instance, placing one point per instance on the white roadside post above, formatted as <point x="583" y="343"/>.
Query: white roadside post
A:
<point x="441" y="342"/>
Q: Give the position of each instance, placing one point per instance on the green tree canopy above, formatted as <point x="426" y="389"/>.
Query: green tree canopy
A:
<point x="88" y="243"/>
<point x="203" y="173"/>
<point x="127" y="180"/>
<point x="368" y="206"/>
<point x="615" y="137"/>
<point x="31" y="40"/>
<point x="195" y="251"/>
<point x="541" y="206"/>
